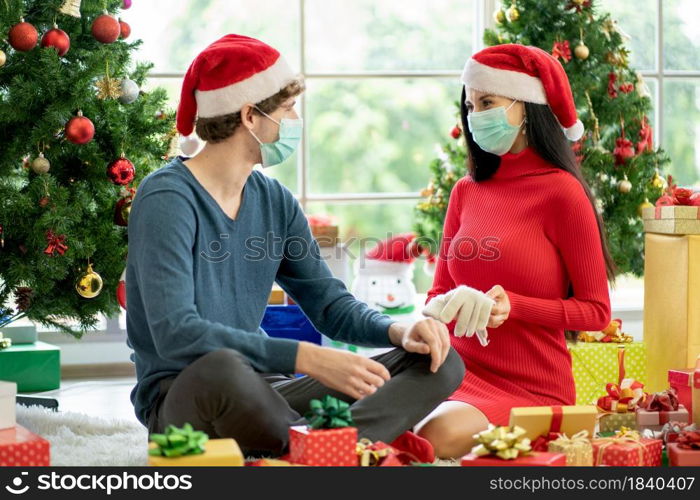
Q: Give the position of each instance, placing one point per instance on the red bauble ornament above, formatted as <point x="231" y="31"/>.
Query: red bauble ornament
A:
<point x="79" y="129"/>
<point x="125" y="30"/>
<point x="456" y="132"/>
<point x="58" y="39"/>
<point x="106" y="29"/>
<point x="121" y="290"/>
<point x="623" y="151"/>
<point x="23" y="36"/>
<point x="121" y="171"/>
<point x="123" y="207"/>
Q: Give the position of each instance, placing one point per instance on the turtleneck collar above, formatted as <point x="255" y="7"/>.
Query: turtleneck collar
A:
<point x="526" y="162"/>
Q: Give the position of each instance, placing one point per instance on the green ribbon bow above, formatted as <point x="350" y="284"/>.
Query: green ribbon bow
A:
<point x="177" y="442"/>
<point x="329" y="413"/>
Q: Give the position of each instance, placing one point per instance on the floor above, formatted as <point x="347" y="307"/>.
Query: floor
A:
<point x="101" y="397"/>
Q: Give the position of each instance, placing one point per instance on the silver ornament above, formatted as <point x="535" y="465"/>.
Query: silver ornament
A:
<point x="129" y="91"/>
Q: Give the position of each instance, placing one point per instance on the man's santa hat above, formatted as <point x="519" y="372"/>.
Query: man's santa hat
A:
<point x="527" y="74"/>
<point x="233" y="71"/>
<point x="394" y="253"/>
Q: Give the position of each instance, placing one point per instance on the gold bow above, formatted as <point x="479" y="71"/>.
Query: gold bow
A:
<point x="579" y="437"/>
<point x="370" y="457"/>
<point x="505" y="442"/>
<point x="623" y="436"/>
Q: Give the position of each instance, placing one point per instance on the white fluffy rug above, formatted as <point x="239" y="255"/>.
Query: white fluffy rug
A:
<point x="83" y="440"/>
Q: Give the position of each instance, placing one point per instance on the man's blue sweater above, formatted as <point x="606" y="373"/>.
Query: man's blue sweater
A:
<point x="199" y="281"/>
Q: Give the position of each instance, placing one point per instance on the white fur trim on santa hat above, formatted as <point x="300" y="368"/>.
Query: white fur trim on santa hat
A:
<point x="503" y="82"/>
<point x="260" y="86"/>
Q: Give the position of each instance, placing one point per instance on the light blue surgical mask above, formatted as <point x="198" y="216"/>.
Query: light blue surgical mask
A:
<point x="274" y="153"/>
<point x="492" y="131"/>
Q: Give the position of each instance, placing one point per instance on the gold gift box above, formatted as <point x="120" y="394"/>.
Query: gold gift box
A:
<point x="537" y="420"/>
<point x="578" y="450"/>
<point x="326" y="236"/>
<point x="674" y="219"/>
<point x="218" y="453"/>
<point x="671" y="305"/>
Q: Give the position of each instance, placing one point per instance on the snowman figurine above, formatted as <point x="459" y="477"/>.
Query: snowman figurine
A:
<point x="384" y="277"/>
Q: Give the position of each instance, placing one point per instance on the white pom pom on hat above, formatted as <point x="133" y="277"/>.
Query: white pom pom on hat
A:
<point x="527" y="74"/>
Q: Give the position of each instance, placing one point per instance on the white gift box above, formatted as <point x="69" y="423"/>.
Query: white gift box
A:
<point x="8" y="400"/>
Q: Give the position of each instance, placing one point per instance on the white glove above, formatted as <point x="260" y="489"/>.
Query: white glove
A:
<point x="471" y="307"/>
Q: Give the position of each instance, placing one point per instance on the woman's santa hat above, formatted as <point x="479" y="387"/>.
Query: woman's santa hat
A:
<point x="233" y="71"/>
<point x="525" y="73"/>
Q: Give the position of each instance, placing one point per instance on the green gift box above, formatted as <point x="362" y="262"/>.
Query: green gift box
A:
<point x="610" y="422"/>
<point x="35" y="367"/>
<point x="595" y="364"/>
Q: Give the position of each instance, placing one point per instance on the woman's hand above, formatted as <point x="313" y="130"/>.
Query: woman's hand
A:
<point x="470" y="307"/>
<point x="499" y="312"/>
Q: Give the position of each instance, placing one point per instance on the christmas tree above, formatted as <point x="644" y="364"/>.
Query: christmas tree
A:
<point x="77" y="134"/>
<point x="616" y="154"/>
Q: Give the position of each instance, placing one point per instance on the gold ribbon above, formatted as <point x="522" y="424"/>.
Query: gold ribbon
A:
<point x="578" y="448"/>
<point x="505" y="442"/>
<point x="622" y="437"/>
<point x="578" y="438"/>
<point x="368" y="456"/>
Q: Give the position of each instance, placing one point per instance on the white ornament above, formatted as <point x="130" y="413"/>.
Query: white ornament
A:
<point x="189" y="145"/>
<point x="129" y="90"/>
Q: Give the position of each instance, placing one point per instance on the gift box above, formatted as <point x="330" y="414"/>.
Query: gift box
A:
<point x="34" y="367"/>
<point x="577" y="449"/>
<point x="659" y="409"/>
<point x="672" y="219"/>
<point x="289" y="322"/>
<point x="25" y="334"/>
<point x="380" y="454"/>
<point x="681" y="457"/>
<point x="329" y="439"/>
<point x="595" y="364"/>
<point x="627" y="448"/>
<point x="536" y="459"/>
<point x="21" y="447"/>
<point x="671" y="295"/>
<point x="681" y="381"/>
<point x="610" y="422"/>
<point x="324" y="229"/>
<point x="323" y="447"/>
<point x="187" y="447"/>
<point x="8" y="400"/>
<point x="547" y="420"/>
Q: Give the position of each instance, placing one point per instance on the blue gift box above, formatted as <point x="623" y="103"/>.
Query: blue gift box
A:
<point x="289" y="322"/>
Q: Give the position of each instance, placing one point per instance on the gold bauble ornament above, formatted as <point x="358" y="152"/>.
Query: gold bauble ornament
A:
<point x="512" y="14"/>
<point x="89" y="284"/>
<point x="3" y="58"/>
<point x="581" y="51"/>
<point x="658" y="182"/>
<point x="645" y="204"/>
<point x="624" y="186"/>
<point x="499" y="16"/>
<point x="40" y="165"/>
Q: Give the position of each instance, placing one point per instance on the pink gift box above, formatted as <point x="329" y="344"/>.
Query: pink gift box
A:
<point x="655" y="420"/>
<point x="680" y="380"/>
<point x="682" y="457"/>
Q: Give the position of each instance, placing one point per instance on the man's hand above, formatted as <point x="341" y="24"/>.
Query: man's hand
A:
<point x="349" y="373"/>
<point x="501" y="310"/>
<point x="426" y="336"/>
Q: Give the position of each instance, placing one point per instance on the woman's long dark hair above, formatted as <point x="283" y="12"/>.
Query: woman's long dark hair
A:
<point x="545" y="136"/>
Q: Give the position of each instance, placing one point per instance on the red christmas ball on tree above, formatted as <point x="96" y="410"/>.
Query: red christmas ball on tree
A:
<point x="58" y="39"/>
<point x="23" y="36"/>
<point x="106" y="29"/>
<point x="456" y="132"/>
<point x="79" y="129"/>
<point x="125" y="29"/>
<point x="121" y="171"/>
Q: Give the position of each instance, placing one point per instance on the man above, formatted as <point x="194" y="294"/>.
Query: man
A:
<point x="198" y="282"/>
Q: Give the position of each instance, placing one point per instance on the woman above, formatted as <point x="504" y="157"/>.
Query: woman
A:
<point x="522" y="227"/>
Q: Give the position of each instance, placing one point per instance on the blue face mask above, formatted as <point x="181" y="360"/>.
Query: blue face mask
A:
<point x="274" y="153"/>
<point x="491" y="130"/>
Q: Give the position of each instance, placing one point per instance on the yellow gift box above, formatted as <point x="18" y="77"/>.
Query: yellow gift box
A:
<point x="672" y="219"/>
<point x="671" y="304"/>
<point x="594" y="364"/>
<point x="217" y="453"/>
<point x="537" y="420"/>
<point x="577" y="448"/>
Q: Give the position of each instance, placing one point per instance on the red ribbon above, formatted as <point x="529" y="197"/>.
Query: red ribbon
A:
<point x="624" y="396"/>
<point x="661" y="401"/>
<point x="56" y="243"/>
<point x="542" y="442"/>
<point x="689" y="440"/>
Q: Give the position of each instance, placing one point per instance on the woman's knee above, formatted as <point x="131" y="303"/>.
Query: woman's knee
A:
<point x="451" y="432"/>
